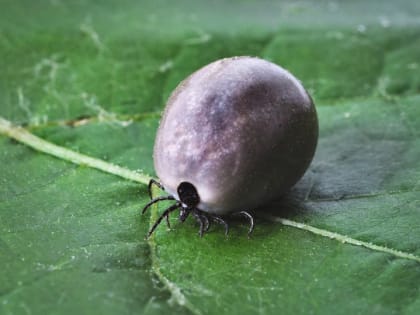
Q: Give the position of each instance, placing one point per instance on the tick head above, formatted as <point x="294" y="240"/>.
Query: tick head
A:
<point x="188" y="195"/>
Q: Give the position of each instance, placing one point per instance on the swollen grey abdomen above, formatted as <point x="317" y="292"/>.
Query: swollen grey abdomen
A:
<point x="242" y="130"/>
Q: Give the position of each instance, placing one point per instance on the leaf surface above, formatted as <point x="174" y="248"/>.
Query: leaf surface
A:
<point x="93" y="78"/>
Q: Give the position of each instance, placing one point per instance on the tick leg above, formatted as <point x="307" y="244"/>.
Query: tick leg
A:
<point x="153" y="201"/>
<point x="164" y="214"/>
<point x="167" y="221"/>
<point x="206" y="222"/>
<point x="149" y="187"/>
<point x="200" y="220"/>
<point x="251" y="221"/>
<point x="222" y="222"/>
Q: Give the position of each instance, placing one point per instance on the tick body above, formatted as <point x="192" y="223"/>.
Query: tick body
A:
<point x="235" y="135"/>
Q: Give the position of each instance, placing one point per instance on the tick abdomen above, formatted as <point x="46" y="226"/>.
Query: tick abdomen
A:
<point x="241" y="130"/>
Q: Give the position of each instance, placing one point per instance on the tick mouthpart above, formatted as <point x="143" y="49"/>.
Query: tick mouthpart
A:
<point x="183" y="214"/>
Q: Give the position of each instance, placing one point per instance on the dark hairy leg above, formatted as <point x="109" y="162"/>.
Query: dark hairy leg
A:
<point x="167" y="221"/>
<point x="201" y="221"/>
<point x="220" y="220"/>
<point x="151" y="183"/>
<point x="153" y="201"/>
<point x="206" y="222"/>
<point x="164" y="214"/>
<point x="251" y="220"/>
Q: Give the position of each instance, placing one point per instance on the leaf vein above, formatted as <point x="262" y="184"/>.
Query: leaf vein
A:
<point x="24" y="136"/>
<point x="343" y="238"/>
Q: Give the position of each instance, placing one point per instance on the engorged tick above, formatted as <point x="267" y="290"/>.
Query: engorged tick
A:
<point x="235" y="135"/>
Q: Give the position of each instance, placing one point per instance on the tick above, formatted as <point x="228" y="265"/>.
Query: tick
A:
<point x="235" y="135"/>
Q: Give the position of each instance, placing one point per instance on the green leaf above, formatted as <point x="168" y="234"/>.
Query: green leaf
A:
<point x="356" y="188"/>
<point x="92" y="78"/>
